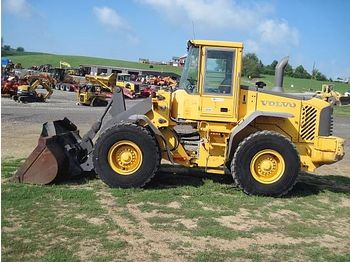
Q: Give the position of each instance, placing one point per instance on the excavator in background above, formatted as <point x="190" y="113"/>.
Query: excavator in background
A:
<point x="262" y="138"/>
<point x="64" y="64"/>
<point x="31" y="92"/>
<point x="328" y="94"/>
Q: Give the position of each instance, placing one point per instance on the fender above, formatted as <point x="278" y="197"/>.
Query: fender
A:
<point x="247" y="120"/>
<point x="135" y="118"/>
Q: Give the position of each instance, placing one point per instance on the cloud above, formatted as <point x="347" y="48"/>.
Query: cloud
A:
<point x="275" y="32"/>
<point x="250" y="20"/>
<point x="209" y="15"/>
<point x="113" y="21"/>
<point x="18" y="7"/>
<point x="109" y="17"/>
<point x="252" y="46"/>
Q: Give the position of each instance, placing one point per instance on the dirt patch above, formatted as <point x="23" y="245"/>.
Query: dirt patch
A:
<point x="92" y="220"/>
<point x="174" y="204"/>
<point x="145" y="240"/>
<point x="188" y="223"/>
<point x="242" y="221"/>
<point x="284" y="214"/>
<point x="345" y="202"/>
<point x="89" y="248"/>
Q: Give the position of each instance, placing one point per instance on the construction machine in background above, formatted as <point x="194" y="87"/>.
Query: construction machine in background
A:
<point x="90" y="95"/>
<point x="30" y="93"/>
<point x="96" y="92"/>
<point x="131" y="89"/>
<point x="64" y="81"/>
<point x="262" y="138"/>
<point x="9" y="86"/>
<point x="327" y="93"/>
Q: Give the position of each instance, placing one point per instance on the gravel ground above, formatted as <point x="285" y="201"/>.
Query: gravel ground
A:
<point x="21" y="125"/>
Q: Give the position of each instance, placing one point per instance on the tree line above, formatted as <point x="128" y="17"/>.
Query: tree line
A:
<point x="253" y="67"/>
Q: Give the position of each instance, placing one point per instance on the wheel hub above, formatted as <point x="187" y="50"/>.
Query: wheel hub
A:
<point x="267" y="166"/>
<point x="125" y="157"/>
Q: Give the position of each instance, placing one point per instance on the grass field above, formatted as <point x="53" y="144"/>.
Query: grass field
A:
<point x="178" y="217"/>
<point x="299" y="85"/>
<point x="29" y="59"/>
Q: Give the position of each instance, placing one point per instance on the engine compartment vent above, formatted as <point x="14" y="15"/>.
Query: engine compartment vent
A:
<point x="308" y="123"/>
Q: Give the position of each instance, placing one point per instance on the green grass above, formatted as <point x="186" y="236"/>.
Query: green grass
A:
<point x="342" y="110"/>
<point x="29" y="59"/>
<point x="178" y="214"/>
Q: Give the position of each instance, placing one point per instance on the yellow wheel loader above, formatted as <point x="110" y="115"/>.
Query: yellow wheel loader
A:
<point x="131" y="89"/>
<point x="261" y="138"/>
<point x="97" y="92"/>
<point x="90" y="95"/>
<point x="327" y="93"/>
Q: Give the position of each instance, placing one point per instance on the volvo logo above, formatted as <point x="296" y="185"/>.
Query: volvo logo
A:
<point x="279" y="104"/>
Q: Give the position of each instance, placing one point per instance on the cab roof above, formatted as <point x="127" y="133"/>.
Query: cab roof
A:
<point x="216" y="43"/>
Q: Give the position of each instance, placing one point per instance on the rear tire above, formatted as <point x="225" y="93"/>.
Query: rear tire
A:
<point x="126" y="156"/>
<point x="266" y="163"/>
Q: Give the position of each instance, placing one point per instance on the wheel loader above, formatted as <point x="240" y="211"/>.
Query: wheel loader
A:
<point x="262" y="138"/>
<point x="130" y="88"/>
<point x="327" y="93"/>
<point x="97" y="91"/>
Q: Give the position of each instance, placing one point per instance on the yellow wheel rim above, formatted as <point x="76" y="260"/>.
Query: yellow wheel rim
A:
<point x="125" y="157"/>
<point x="267" y="166"/>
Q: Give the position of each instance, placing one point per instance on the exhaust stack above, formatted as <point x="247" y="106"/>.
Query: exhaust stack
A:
<point x="279" y="71"/>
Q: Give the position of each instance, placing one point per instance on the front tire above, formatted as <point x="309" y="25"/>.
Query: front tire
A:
<point x="266" y="163"/>
<point x="126" y="156"/>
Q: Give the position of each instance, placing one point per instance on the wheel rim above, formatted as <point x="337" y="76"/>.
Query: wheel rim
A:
<point x="125" y="157"/>
<point x="267" y="166"/>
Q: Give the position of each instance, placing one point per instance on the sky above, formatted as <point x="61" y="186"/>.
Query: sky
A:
<point x="310" y="32"/>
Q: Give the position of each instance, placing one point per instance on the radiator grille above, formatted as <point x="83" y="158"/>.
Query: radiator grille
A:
<point x="308" y="123"/>
<point x="331" y="126"/>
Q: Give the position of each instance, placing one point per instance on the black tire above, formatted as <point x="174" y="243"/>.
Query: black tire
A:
<point x="138" y="135"/>
<point x="93" y="101"/>
<point x="250" y="148"/>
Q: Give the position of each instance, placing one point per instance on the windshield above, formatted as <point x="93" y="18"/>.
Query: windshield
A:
<point x="127" y="78"/>
<point x="189" y="77"/>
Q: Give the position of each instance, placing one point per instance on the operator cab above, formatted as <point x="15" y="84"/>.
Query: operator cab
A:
<point x="209" y="84"/>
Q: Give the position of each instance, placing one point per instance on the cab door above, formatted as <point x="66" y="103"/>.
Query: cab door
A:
<point x="217" y="89"/>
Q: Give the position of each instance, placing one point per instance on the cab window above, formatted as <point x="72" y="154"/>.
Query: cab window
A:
<point x="219" y="71"/>
<point x="189" y="77"/>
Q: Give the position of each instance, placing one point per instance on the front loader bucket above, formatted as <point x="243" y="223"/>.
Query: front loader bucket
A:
<point x="344" y="100"/>
<point x="55" y="157"/>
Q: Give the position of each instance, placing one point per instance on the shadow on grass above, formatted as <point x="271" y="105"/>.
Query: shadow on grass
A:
<point x="310" y="184"/>
<point x="307" y="184"/>
<point x="171" y="177"/>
